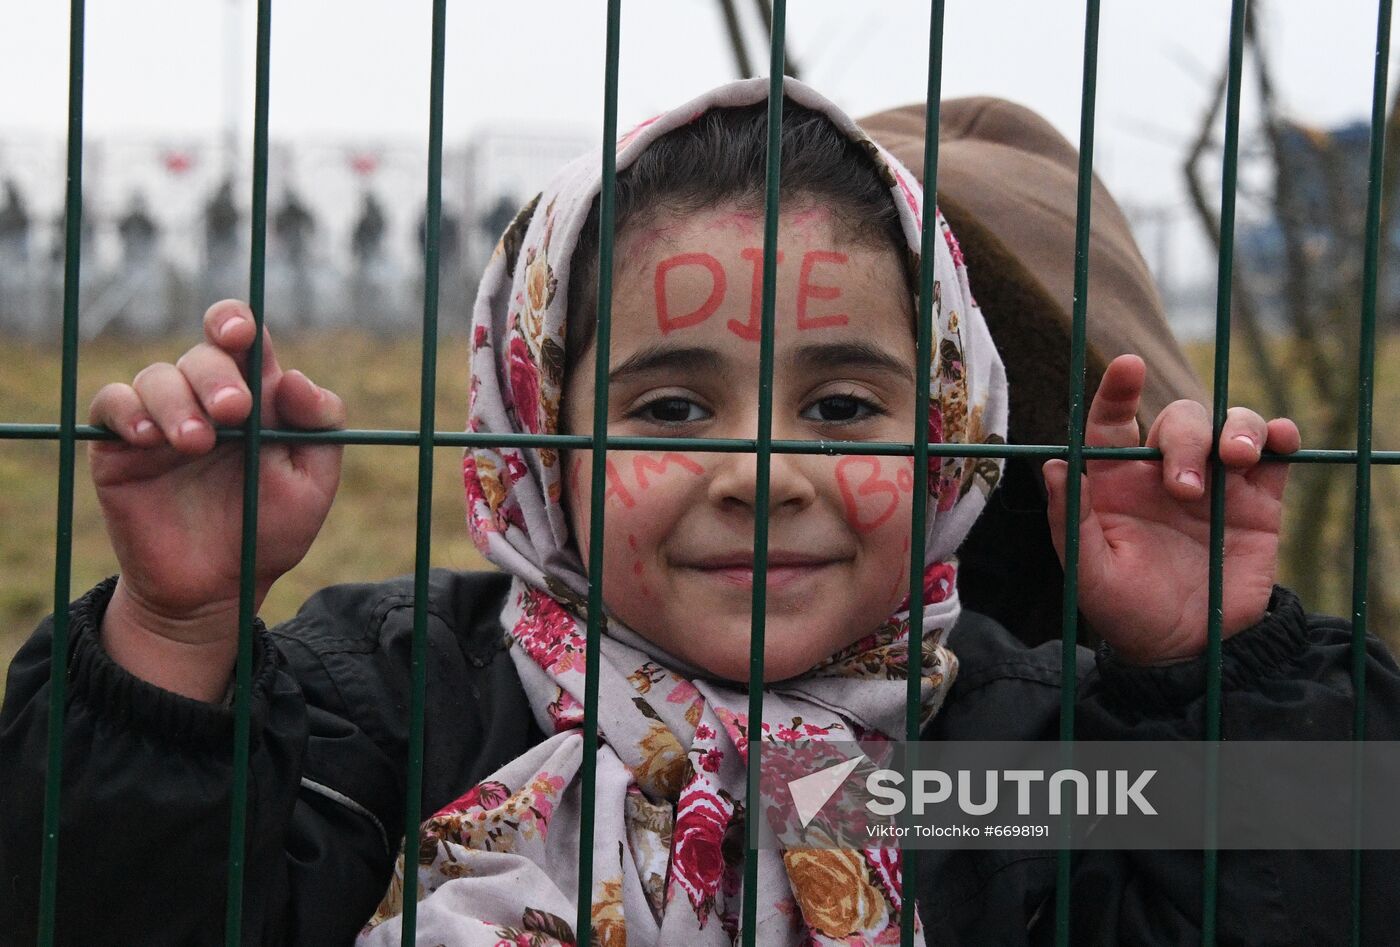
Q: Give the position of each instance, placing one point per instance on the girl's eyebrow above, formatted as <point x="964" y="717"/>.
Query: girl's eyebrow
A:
<point x="853" y="354"/>
<point x="655" y="358"/>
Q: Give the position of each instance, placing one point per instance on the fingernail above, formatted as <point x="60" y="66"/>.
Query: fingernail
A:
<point x="320" y="393"/>
<point x="1247" y="440"/>
<point x="143" y="427"/>
<point x="229" y="325"/>
<point x="222" y="395"/>
<point x="1191" y="479"/>
<point x="190" y="427"/>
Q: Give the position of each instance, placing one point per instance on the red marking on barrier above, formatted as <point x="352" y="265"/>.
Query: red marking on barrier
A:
<point x="719" y="284"/>
<point x="177" y="162"/>
<point x="637" y="567"/>
<point x="632" y="541"/>
<point x="618" y="489"/>
<point x="874" y="484"/>
<point x="644" y="462"/>
<point x="807" y="290"/>
<point x="751" y="329"/>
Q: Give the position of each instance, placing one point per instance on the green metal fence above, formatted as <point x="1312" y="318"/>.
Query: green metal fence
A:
<point x="66" y="432"/>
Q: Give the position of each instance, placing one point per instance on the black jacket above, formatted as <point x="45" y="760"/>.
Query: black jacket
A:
<point x="146" y="773"/>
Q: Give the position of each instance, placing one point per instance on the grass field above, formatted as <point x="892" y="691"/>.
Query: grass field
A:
<point x="370" y="532"/>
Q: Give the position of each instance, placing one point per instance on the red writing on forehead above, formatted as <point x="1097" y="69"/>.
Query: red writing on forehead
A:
<point x="718" y="285"/>
<point x="872" y="499"/>
<point x="750" y="330"/>
<point x="807" y="290"/>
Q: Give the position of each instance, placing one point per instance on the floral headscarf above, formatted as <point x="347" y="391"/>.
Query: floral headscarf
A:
<point x="499" y="865"/>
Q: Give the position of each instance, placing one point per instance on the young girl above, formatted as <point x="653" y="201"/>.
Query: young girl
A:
<point x="153" y="651"/>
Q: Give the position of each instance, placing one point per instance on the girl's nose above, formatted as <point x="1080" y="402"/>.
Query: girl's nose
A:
<point x="734" y="484"/>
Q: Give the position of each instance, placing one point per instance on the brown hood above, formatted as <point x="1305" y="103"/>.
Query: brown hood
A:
<point x="1007" y="183"/>
<point x="1007" y="186"/>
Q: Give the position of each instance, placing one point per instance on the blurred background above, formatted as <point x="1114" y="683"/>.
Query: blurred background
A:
<point x="167" y="183"/>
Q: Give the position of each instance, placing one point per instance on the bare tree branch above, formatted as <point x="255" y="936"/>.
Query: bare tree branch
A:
<point x="736" y="38"/>
<point x="1291" y="216"/>
<point x="765" y="11"/>
<point x="1245" y="312"/>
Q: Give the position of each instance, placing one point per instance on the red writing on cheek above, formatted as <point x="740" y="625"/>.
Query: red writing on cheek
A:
<point x="905" y="479"/>
<point x="642" y="465"/>
<point x="645" y="462"/>
<point x="718" y="285"/>
<point x="865" y="510"/>
<point x="807" y="290"/>
<point x="637" y="567"/>
<point x="750" y="330"/>
<point x="617" y="489"/>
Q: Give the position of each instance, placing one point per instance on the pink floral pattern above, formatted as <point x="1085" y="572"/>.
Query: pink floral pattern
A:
<point x="697" y="857"/>
<point x="484" y="795"/>
<point x="549" y="635"/>
<point x="953" y="246"/>
<point x="525" y="385"/>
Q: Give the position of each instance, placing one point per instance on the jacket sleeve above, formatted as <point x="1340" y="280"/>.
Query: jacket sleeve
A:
<point x="1287" y="678"/>
<point x="145" y="804"/>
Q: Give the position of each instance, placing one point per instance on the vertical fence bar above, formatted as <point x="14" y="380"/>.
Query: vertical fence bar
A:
<point x="63" y="532"/>
<point x="913" y="711"/>
<point x="252" y="428"/>
<point x="1069" y="618"/>
<point x="427" y="418"/>
<point x="763" y="455"/>
<point x="606" y="210"/>
<point x="1221" y="391"/>
<point x="1366" y="372"/>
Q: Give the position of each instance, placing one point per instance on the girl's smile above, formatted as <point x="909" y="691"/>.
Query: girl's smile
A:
<point x="680" y="525"/>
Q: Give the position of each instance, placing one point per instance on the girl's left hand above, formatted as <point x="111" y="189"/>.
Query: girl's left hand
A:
<point x="1144" y="526"/>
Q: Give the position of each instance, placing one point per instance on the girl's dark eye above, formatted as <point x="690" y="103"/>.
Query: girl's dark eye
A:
<point x="671" y="411"/>
<point x="838" y="408"/>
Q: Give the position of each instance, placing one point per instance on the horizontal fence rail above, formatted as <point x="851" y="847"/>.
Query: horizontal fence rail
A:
<point x="404" y="438"/>
<point x="425" y="439"/>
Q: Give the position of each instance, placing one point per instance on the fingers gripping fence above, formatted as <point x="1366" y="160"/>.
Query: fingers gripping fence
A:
<point x="67" y="433"/>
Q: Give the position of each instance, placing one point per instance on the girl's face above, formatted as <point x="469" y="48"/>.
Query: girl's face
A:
<point x="679" y="526"/>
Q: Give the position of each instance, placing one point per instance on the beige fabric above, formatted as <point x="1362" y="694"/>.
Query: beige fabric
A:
<point x="1007" y="185"/>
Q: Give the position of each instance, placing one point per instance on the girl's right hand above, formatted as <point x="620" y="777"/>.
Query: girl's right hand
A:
<point x="172" y="499"/>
